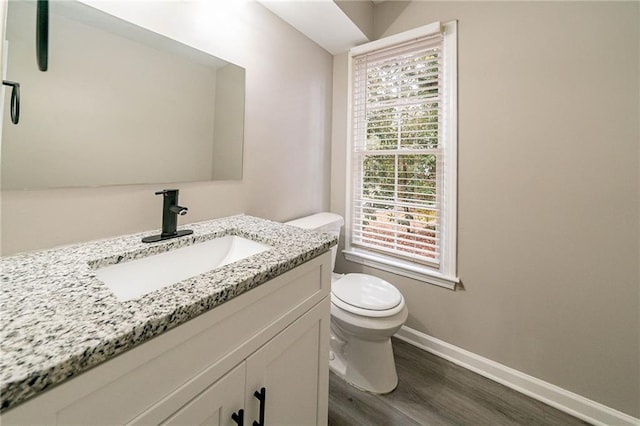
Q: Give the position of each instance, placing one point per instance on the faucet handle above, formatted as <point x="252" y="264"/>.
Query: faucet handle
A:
<point x="166" y="191"/>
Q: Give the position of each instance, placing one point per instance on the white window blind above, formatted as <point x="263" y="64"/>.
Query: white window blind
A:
<point x="399" y="146"/>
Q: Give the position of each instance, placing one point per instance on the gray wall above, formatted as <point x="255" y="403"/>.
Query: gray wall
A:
<point x="287" y="134"/>
<point x="548" y="191"/>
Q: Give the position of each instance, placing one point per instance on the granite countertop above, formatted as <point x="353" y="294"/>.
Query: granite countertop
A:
<point x="57" y="319"/>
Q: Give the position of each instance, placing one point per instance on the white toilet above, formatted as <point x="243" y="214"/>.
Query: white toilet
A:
<point x="365" y="312"/>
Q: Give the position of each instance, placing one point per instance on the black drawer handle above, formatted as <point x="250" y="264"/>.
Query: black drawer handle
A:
<point x="262" y="396"/>
<point x="238" y="417"/>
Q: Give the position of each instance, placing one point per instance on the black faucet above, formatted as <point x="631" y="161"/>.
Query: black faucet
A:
<point x="170" y="212"/>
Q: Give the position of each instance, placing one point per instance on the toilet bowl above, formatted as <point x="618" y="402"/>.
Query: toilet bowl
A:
<point x="365" y="312"/>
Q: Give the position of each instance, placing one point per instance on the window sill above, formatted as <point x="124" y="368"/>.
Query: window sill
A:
<point x="400" y="267"/>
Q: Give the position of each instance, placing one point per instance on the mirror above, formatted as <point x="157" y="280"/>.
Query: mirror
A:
<point x="118" y="105"/>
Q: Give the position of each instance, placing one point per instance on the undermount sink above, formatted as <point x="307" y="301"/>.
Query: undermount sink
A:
<point x="130" y="280"/>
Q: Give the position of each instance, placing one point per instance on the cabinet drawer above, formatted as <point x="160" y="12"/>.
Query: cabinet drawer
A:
<point x="122" y="388"/>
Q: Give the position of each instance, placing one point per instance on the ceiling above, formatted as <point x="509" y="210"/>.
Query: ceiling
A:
<point x="320" y="20"/>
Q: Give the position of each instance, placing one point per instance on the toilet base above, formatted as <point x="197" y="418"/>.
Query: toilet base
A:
<point x="365" y="364"/>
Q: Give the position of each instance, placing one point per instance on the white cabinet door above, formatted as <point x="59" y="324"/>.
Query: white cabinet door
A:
<point x="216" y="405"/>
<point x="293" y="369"/>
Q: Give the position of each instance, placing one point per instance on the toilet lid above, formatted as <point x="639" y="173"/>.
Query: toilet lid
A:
<point x="366" y="292"/>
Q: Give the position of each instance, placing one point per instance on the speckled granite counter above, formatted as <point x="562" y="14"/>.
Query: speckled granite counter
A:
<point x="58" y="320"/>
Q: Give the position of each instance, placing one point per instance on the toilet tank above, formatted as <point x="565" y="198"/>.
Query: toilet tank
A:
<point x="329" y="223"/>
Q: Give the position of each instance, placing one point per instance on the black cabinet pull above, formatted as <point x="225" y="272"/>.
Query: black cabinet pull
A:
<point x="238" y="417"/>
<point x="262" y="396"/>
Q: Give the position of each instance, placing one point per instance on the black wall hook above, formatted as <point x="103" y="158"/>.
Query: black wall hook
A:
<point x="15" y="100"/>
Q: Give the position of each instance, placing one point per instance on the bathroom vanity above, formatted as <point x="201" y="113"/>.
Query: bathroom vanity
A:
<point x="244" y="342"/>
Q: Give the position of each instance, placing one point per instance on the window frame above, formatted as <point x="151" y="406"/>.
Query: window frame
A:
<point x="445" y="275"/>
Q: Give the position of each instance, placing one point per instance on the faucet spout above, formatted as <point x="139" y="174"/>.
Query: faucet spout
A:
<point x="170" y="212"/>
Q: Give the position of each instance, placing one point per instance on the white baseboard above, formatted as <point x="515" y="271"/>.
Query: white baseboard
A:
<point x="569" y="402"/>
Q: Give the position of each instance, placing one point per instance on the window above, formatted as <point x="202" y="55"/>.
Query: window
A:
<point x="402" y="194"/>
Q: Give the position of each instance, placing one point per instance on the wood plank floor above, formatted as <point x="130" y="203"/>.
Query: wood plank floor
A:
<point x="433" y="391"/>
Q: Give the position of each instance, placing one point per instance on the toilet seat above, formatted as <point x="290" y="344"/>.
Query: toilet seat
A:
<point x="366" y="295"/>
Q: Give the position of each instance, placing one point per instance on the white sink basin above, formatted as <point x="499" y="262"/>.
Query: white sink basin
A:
<point x="136" y="278"/>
